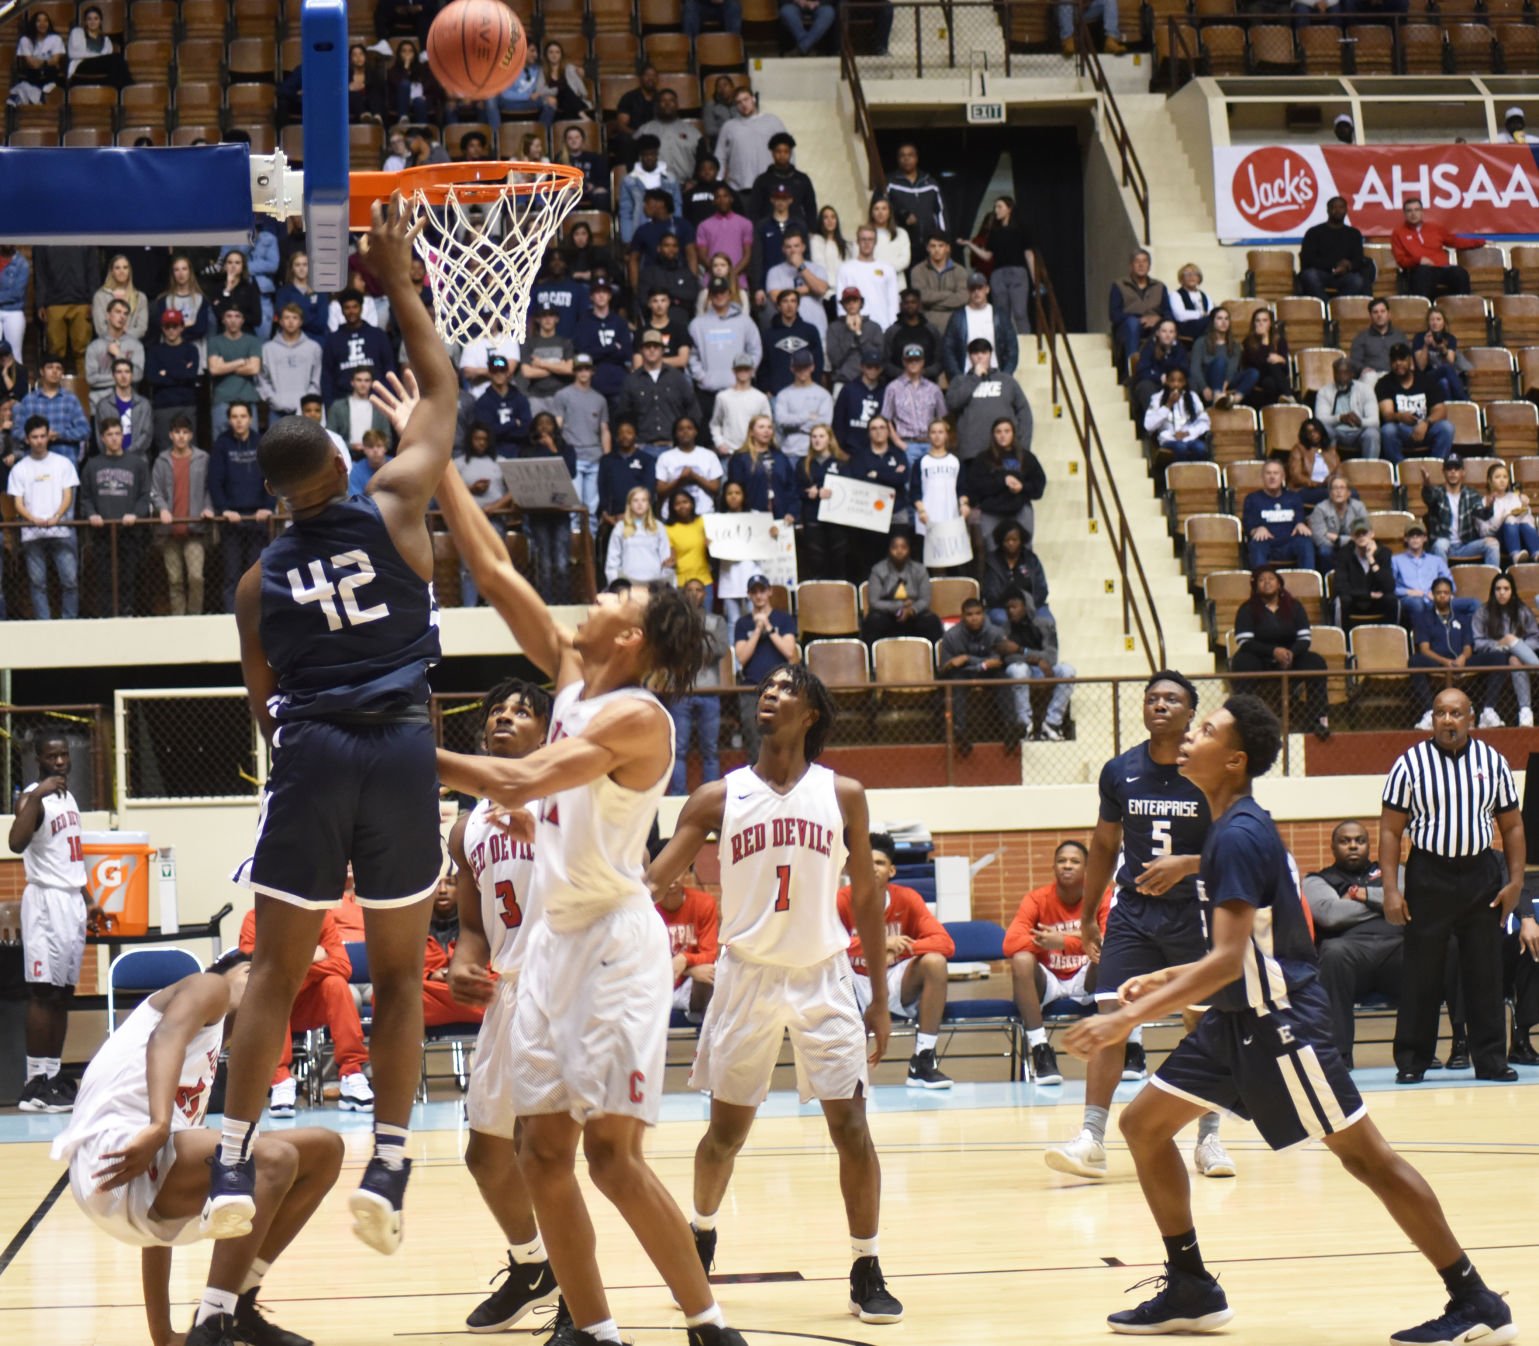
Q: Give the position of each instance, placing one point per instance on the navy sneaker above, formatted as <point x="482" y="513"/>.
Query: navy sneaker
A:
<point x="376" y="1205"/>
<point x="1184" y="1303"/>
<point x="231" y="1205"/>
<point x="563" y="1331"/>
<point x="869" y="1297"/>
<point x="705" y="1245"/>
<point x="218" y="1330"/>
<point x="711" y="1335"/>
<point x="1135" y="1065"/>
<point x="1482" y="1316"/>
<point x="253" y="1328"/>
<point x="529" y="1286"/>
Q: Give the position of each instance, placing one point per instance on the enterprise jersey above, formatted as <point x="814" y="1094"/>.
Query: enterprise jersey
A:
<point x="591" y="841"/>
<point x="53" y="857"/>
<point x="348" y="626"/>
<point x="1161" y="813"/>
<point x="1244" y="860"/>
<point x="504" y="873"/>
<point x="782" y="857"/>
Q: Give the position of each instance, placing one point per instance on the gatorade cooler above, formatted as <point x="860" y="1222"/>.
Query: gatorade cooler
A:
<point x="118" y="868"/>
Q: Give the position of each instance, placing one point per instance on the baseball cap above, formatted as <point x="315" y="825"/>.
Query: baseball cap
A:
<point x="1453" y="460"/>
<point x="1343" y="117"/>
<point x="758" y="582"/>
<point x="1512" y="112"/>
<point x="802" y="359"/>
<point x="743" y="361"/>
<point x="582" y="361"/>
<point x="1415" y="527"/>
<point x="719" y="285"/>
<point x="652" y="337"/>
<point x="599" y="283"/>
<point x="913" y="352"/>
<point x="1360" y="527"/>
<point x="976" y="279"/>
<point x="172" y="317"/>
<point x="781" y="189"/>
<point x="545" y="311"/>
<point x="496" y="361"/>
<point x="871" y="355"/>
<point x="850" y="292"/>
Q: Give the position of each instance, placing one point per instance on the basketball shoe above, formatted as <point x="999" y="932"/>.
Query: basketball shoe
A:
<point x="253" y="1328"/>
<point x="705" y="1245"/>
<point x="376" y="1205"/>
<point x="1183" y="1303"/>
<point x="529" y="1285"/>
<point x="218" y="1330"/>
<point x="1211" y="1159"/>
<point x="869" y="1297"/>
<point x="1135" y="1065"/>
<point x="280" y="1102"/>
<point x="230" y="1207"/>
<point x="1084" y="1157"/>
<point x="1482" y="1316"/>
<point x="1044" y="1064"/>
<point x="923" y="1073"/>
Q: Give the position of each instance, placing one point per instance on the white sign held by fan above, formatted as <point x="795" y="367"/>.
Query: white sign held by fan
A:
<point x="779" y="566"/>
<point x="946" y="543"/>
<point x="540" y="483"/>
<point x="860" y="504"/>
<point x="740" y="537"/>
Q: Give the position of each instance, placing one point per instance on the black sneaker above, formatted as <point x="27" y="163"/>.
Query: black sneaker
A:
<point x="711" y="1335"/>
<point x="42" y="1094"/>
<point x="32" y="1094"/>
<point x="1135" y="1065"/>
<point x="1183" y="1303"/>
<point x="529" y="1285"/>
<point x="218" y="1330"/>
<point x="705" y="1245"/>
<point x="1044" y="1064"/>
<point x="869" y="1299"/>
<point x="923" y="1073"/>
<point x="563" y="1331"/>
<point x="1482" y="1316"/>
<point x="253" y="1328"/>
<point x="1459" y="1054"/>
<point x="1522" y="1053"/>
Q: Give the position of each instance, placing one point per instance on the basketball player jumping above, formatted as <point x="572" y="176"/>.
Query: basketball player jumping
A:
<point x="137" y="1153"/>
<point x="1264" y="1051"/>
<point x="590" y="1025"/>
<point x="1150" y="833"/>
<point x="498" y="908"/>
<point x="337" y="631"/>
<point x="789" y="829"/>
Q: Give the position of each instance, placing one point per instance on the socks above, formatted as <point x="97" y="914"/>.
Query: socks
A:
<point x="36" y="1066"/>
<point x="1095" y="1122"/>
<point x="608" y="1330"/>
<point x="390" y="1145"/>
<point x="1182" y="1253"/>
<point x="862" y="1247"/>
<point x="1207" y="1125"/>
<point x="235" y="1139"/>
<point x="926" y="1042"/>
<point x="1036" y="1037"/>
<point x="51" y="1066"/>
<point x="1461" y="1279"/>
<point x="215" y="1302"/>
<point x="1137" y="1035"/>
<point x="526" y="1253"/>
<point x="253" y="1280"/>
<point x="713" y="1316"/>
<point x="704" y="1223"/>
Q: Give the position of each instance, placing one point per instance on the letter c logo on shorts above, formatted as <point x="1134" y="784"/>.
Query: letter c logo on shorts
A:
<point x="1275" y="189"/>
<point x="637" y="1080"/>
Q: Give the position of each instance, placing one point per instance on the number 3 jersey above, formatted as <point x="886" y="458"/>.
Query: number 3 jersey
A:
<point x="348" y="626"/>
<point x="782" y="859"/>
<point x="504" y="873"/>
<point x="1161" y="813"/>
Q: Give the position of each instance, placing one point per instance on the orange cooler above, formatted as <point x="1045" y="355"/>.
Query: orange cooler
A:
<point x="118" y="878"/>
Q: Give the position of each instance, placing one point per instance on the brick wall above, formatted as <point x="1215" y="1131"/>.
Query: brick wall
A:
<point x="12" y="880"/>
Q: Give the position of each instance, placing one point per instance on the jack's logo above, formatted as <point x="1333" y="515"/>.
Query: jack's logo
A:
<point x="1275" y="189"/>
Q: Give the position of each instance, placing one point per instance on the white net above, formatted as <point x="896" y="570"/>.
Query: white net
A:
<point x="482" y="248"/>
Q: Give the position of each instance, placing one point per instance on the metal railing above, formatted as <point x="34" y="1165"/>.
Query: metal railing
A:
<point x="1089" y="62"/>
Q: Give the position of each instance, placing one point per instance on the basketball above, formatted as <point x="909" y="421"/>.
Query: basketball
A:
<point x="476" y="48"/>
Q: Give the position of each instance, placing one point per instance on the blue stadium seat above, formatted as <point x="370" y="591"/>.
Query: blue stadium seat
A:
<point x="983" y="942"/>
<point x="146" y="971"/>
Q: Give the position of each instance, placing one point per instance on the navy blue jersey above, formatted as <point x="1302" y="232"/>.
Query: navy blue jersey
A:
<point x="347" y="625"/>
<point x="1160" y="811"/>
<point x="1244" y="860"/>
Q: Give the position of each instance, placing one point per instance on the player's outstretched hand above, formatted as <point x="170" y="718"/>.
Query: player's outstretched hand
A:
<point x="138" y="1156"/>
<point x="878" y="1030"/>
<point x="1160" y="876"/>
<point x="387" y="245"/>
<point x="515" y="823"/>
<point x="470" y="983"/>
<point x="1089" y="1036"/>
<point x="1135" y="988"/>
<point x="397" y="398"/>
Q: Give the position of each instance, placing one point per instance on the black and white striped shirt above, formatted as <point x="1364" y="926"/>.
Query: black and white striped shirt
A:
<point x="1451" y="798"/>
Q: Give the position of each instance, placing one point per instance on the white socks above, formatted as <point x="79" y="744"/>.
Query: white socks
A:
<point x="862" y="1247"/>
<point x="925" y="1042"/>
<point x="712" y="1315"/>
<point x="215" y="1302"/>
<point x="704" y="1223"/>
<point x="235" y="1140"/>
<point x="1036" y="1037"/>
<point x="253" y="1280"/>
<point x="608" y="1331"/>
<point x="525" y="1253"/>
<point x="46" y="1066"/>
<point x="390" y="1145"/>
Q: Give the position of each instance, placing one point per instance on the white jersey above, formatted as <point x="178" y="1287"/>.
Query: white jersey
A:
<point x="114" y="1094"/>
<point x="53" y="858"/>
<point x="590" y="846"/>
<point x="782" y="858"/>
<point x="504" y="875"/>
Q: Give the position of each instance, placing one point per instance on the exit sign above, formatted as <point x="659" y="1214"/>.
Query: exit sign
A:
<point x="986" y="113"/>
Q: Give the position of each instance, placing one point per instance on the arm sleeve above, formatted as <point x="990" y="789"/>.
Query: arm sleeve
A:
<point x="1506" y="788"/>
<point x="1397" y="787"/>
<point x="707" y="923"/>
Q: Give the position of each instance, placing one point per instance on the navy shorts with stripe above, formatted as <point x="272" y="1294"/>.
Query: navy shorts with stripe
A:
<point x="1147" y="934"/>
<point x="340" y="793"/>
<point x="1279" y="1069"/>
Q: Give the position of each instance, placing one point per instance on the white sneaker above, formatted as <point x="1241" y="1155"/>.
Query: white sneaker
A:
<point x="1084" y="1157"/>
<point x="1052" y="733"/>
<point x="1425" y="723"/>
<point x="356" y="1095"/>
<point x="1526" y="718"/>
<point x="1489" y="719"/>
<point x="280" y="1103"/>
<point x="1212" y="1159"/>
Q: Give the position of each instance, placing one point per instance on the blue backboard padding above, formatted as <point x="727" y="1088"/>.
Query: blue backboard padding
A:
<point x="323" y="33"/>
<point x="197" y="194"/>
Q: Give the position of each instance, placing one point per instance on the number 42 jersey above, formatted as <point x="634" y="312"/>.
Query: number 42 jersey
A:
<point x="348" y="626"/>
<point x="1161" y="813"/>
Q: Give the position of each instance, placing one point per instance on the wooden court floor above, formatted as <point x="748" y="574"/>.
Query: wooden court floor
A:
<point x="981" y="1242"/>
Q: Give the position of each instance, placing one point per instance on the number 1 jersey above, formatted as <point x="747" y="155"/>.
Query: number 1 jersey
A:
<point x="1161" y="813"/>
<point x="782" y="860"/>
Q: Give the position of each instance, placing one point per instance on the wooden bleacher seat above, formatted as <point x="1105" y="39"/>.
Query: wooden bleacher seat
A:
<point x="826" y="608"/>
<point x="1490" y="377"/>
<point x="1374" y="481"/>
<point x="1314" y="367"/>
<point x="949" y="592"/>
<point x="1465" y="419"/>
<point x="1212" y="543"/>
<point x="1192" y="488"/>
<point x="1270" y="271"/>
<point x="1517" y="316"/>
<point x="840" y="663"/>
<point x="1514" y="428"/>
<point x="1468" y="318"/>
<point x="1302" y="316"/>
<point x="1488" y="271"/>
<point x="1233" y="435"/>
<point x="1389" y="527"/>
<point x="1280" y="427"/>
<point x="1408" y="312"/>
<point x="1241" y="479"/>
<point x="1222" y="592"/>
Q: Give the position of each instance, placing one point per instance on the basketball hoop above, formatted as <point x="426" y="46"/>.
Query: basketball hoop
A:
<point x="487" y="228"/>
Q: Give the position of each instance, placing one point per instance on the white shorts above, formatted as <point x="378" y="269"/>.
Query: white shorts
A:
<point x="753" y="1007"/>
<point x="1073" y="988"/>
<point x="124" y="1212"/>
<point x="895" y="1005"/>
<point x="53" y="934"/>
<point x="489" y="1093"/>
<point x="590" y="1029"/>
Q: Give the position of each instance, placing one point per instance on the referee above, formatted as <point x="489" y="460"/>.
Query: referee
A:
<point x="1450" y="792"/>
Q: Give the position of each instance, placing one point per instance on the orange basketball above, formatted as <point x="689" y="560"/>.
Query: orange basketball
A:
<point x="476" y="48"/>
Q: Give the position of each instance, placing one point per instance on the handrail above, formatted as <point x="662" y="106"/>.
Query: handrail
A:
<point x="1089" y="62"/>
<point x="850" y="73"/>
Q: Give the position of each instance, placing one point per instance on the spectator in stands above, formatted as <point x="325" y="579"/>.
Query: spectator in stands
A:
<point x="240" y="496"/>
<point x="291" y="364"/>
<point x="621" y="470"/>
<point x="1106" y="11"/>
<point x="807" y="22"/>
<point x="41" y="58"/>
<point x="115" y="343"/>
<point x="1189" y="306"/>
<point x="940" y="283"/>
<point x="668" y="274"/>
<point x="848" y="336"/>
<point x="983" y="396"/>
<point x="365" y="87"/>
<point x="1030" y="647"/>
<point x="801" y="404"/>
<point x="1514" y="128"/>
<point x="764" y="639"/>
<point x="439" y="1007"/>
<point x="313" y="409"/>
<point x="115" y="487"/>
<point x="828" y="247"/>
<point x="1331" y="258"/>
<point x="373" y="449"/>
<point x="1442" y="637"/>
<point x="892" y="242"/>
<point x="1006" y="243"/>
<point x="545" y="363"/>
<point x="325" y="1000"/>
<point x="1331" y="521"/>
<point x="1271" y="634"/>
<point x="583" y="417"/>
<point x="172" y="371"/>
<point x="1047" y="957"/>
<point x="936" y="489"/>
<point x="1178" y="422"/>
<point x="64" y="281"/>
<point x="503" y="409"/>
<point x="911" y="329"/>
<point x="353" y="345"/>
<point x="13" y="375"/>
<point x="1311" y="461"/>
<point x="1344" y="128"/>
<point x="701" y="710"/>
<point x="649" y="176"/>
<point x="822" y="546"/>
<point x="689" y="466"/>
<point x="605" y="336"/>
<point x="296" y="289"/>
<point x="560" y="94"/>
<point x="639" y="550"/>
<point x="1011" y="564"/>
<point x="1215" y="364"/>
<point x="859" y="400"/>
<point x="1136" y="306"/>
<point x="1004" y="481"/>
<point x="649" y="239"/>
<point x="718" y="110"/>
<point x="179" y="490"/>
<point x="555" y="289"/>
<point x="1371" y="348"/>
<point x="479" y="471"/>
<point x="233" y="285"/>
<point x="916" y="197"/>
<point x="1506" y="636"/>
<point x="411" y="90"/>
<point x="1416" y="570"/>
<point x="805" y="279"/>
<point x="1275" y="522"/>
<point x="355" y="415"/>
<point x="736" y="407"/>
<point x="743" y="145"/>
<point x="728" y="232"/>
<point x="690" y="914"/>
<point x="574" y="150"/>
<point x="549" y="530"/>
<point x="729" y="13"/>
<point x="1421" y="252"/>
<point x="1160" y="354"/>
<point x="686" y="535"/>
<point x="911" y="402"/>
<point x="1436" y="351"/>
<point x="1360" y="951"/>
<point x="884" y="462"/>
<point x="42" y="487"/>
<point x="786" y="335"/>
<point x="1413" y="422"/>
<point x="15" y="283"/>
<point x="1511" y="520"/>
<point x="635" y="109"/>
<point x="1365" y="579"/>
<point x="718" y="336"/>
<point x="514" y="103"/>
<point x="765" y="473"/>
<point x="781" y="172"/>
<point x="875" y="279"/>
<point x="980" y="317"/>
<point x="1349" y="412"/>
<point x="655" y="396"/>
<point x="59" y="409"/>
<point x="119" y="284"/>
<point x="970" y="650"/>
<point x="898" y="594"/>
<point x="131" y="409"/>
<point x="423" y="147"/>
<point x="1265" y="350"/>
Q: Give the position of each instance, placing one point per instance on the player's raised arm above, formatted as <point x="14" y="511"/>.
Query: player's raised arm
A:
<point x="700" y="816"/>
<point x="469" y="981"/>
